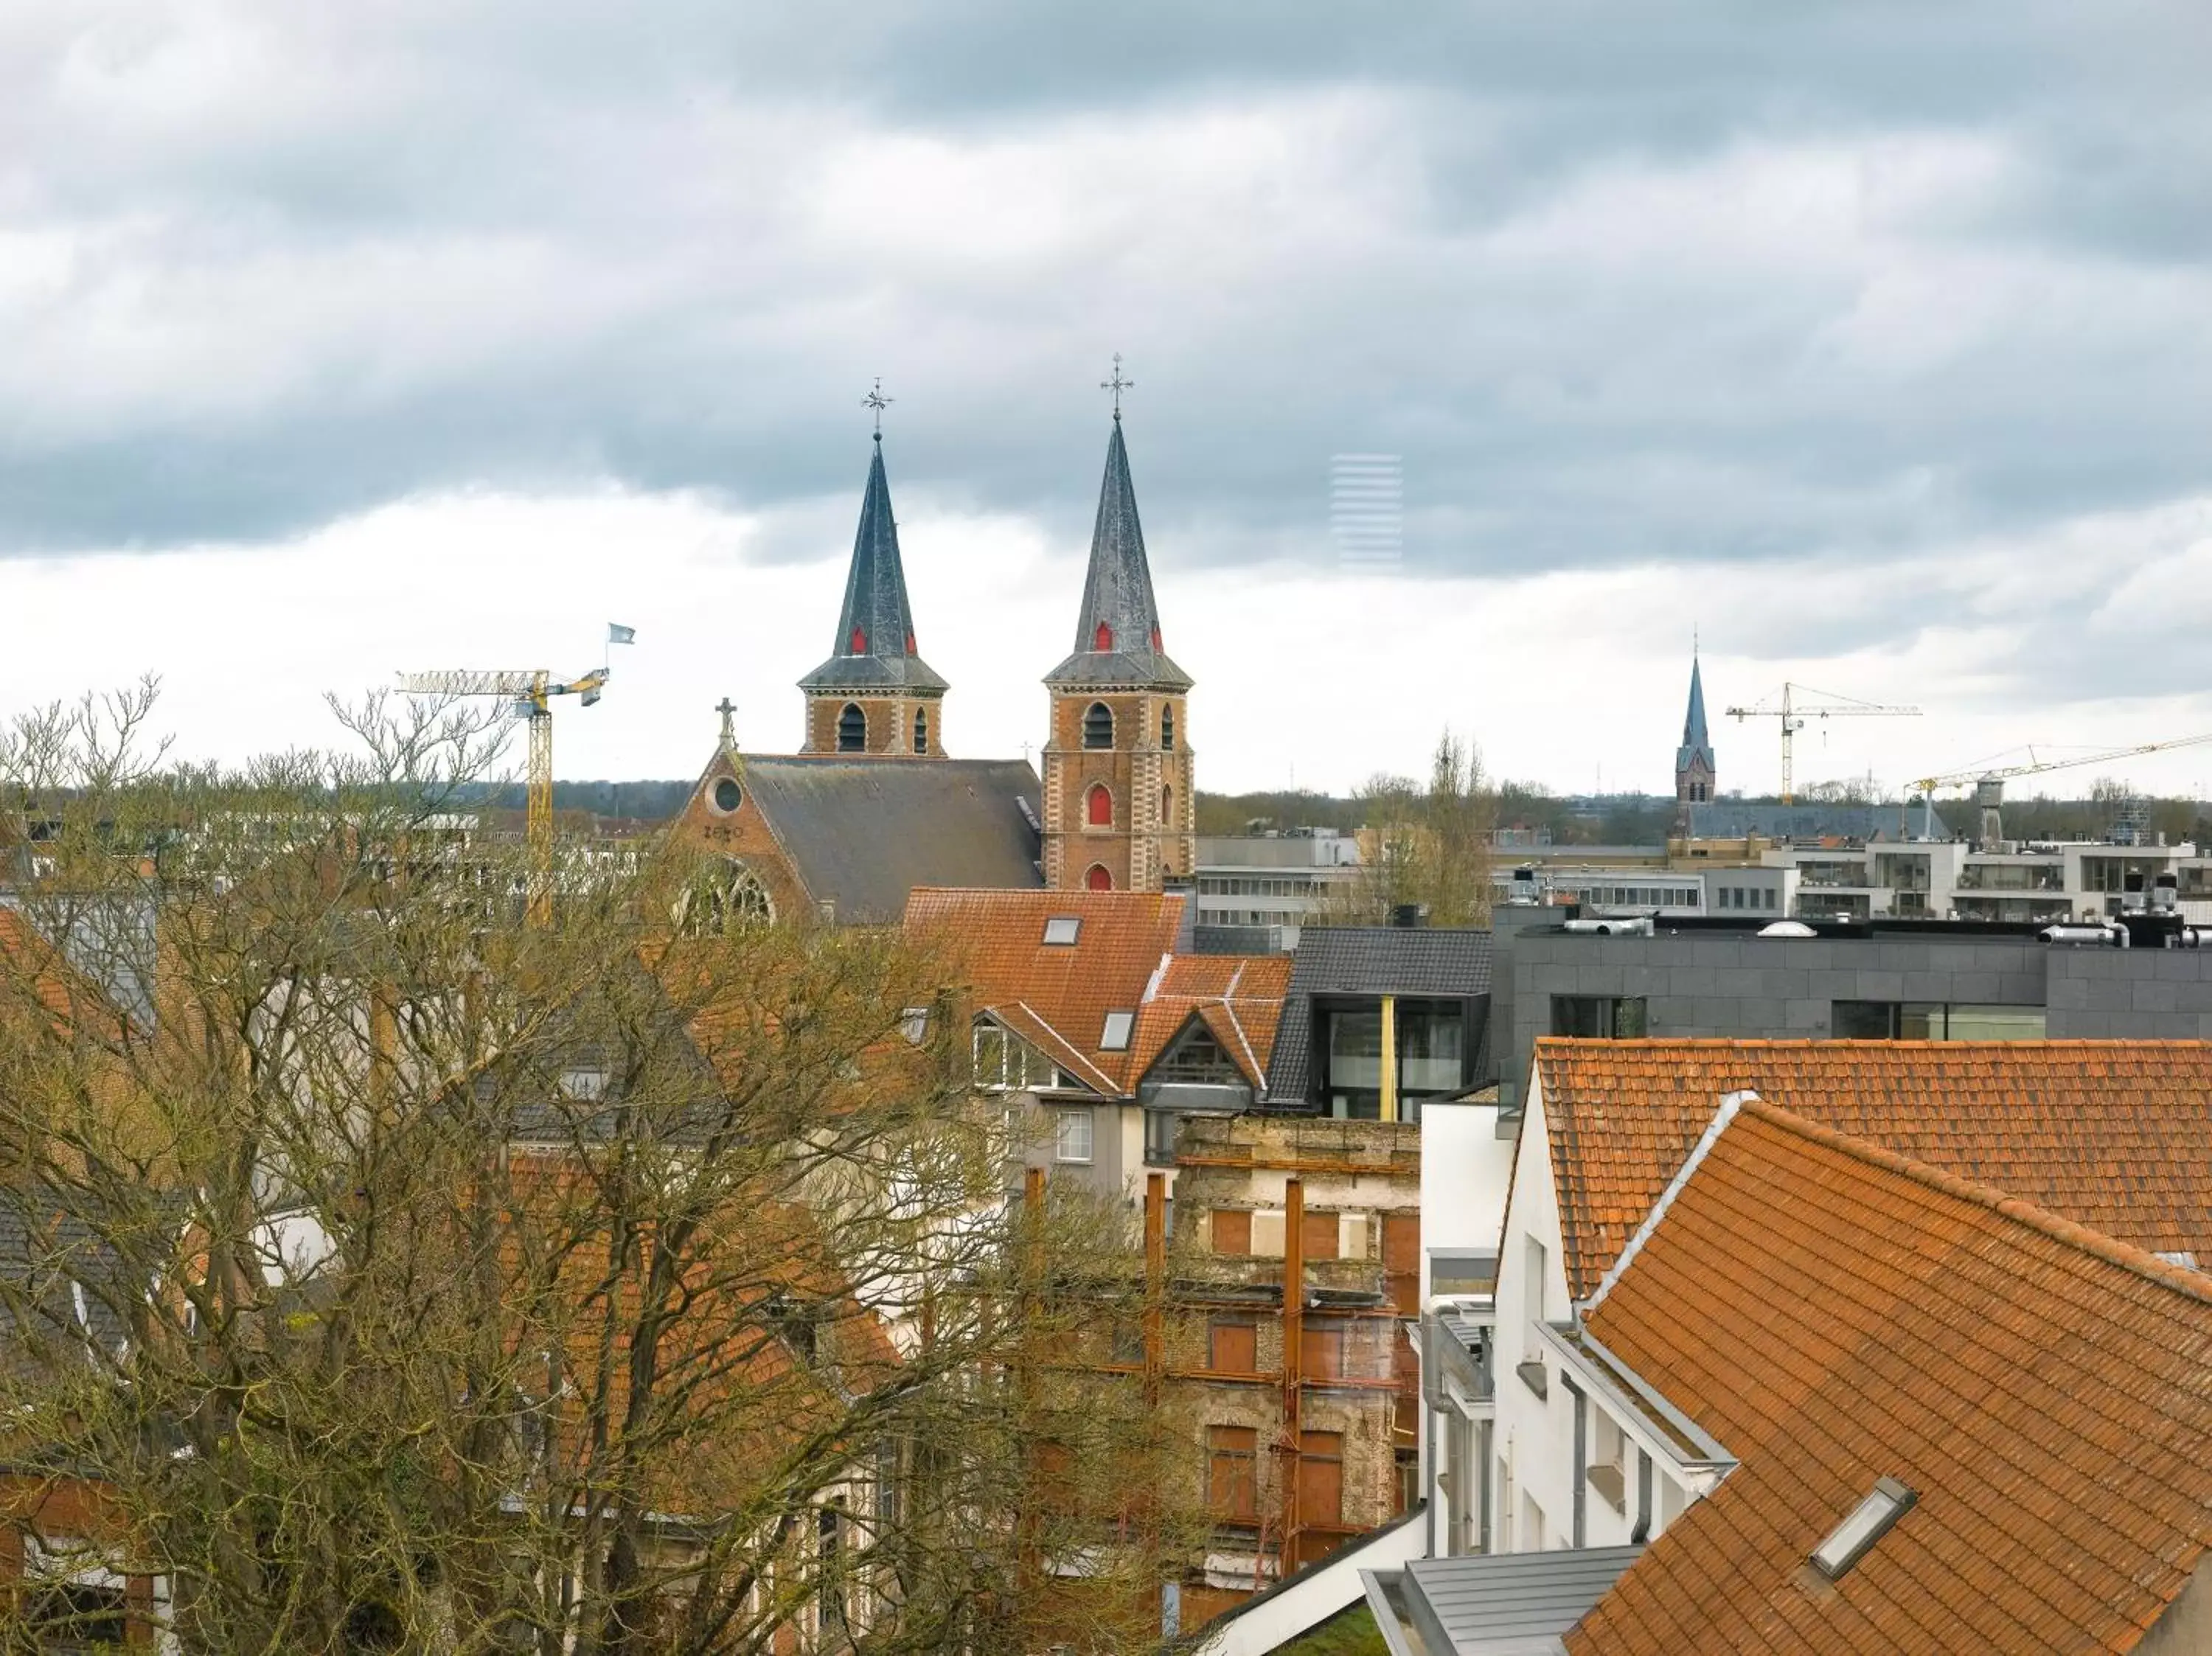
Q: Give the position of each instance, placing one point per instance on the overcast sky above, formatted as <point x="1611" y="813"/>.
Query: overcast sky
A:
<point x="1873" y="342"/>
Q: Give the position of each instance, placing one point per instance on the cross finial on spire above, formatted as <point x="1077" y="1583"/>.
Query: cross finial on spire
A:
<point x="728" y="709"/>
<point x="876" y="400"/>
<point x="1117" y="384"/>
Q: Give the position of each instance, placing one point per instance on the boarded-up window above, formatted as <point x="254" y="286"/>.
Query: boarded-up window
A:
<point x="1321" y="1477"/>
<point x="1320" y="1350"/>
<point x="1402" y="1260"/>
<point x="1318" y="1235"/>
<point x="1232" y="1230"/>
<point x="1233" y="1454"/>
<point x="1232" y="1346"/>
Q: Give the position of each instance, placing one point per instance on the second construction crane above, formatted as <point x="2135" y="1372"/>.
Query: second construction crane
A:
<point x="1989" y="782"/>
<point x="1799" y="702"/>
<point x="531" y="691"/>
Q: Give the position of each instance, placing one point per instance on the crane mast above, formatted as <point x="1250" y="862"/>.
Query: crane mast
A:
<point x="1792" y="709"/>
<point x="531" y="691"/>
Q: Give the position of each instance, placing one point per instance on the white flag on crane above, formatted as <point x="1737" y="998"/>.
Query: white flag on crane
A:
<point x="618" y="633"/>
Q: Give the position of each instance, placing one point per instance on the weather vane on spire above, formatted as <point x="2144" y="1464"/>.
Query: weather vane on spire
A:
<point x="876" y="400"/>
<point x="1117" y="384"/>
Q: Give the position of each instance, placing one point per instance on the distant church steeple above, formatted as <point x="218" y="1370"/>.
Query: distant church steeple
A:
<point x="1119" y="812"/>
<point x="875" y="695"/>
<point x="1694" y="769"/>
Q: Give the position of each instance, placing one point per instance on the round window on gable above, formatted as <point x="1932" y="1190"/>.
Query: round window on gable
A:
<point x="852" y="730"/>
<point x="727" y="794"/>
<point x="1097" y="725"/>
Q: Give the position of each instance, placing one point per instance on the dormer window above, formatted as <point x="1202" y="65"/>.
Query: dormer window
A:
<point x="858" y="641"/>
<point x="1866" y="1524"/>
<point x="1060" y="930"/>
<point x="1097" y="725"/>
<point x="1102" y="639"/>
<point x="1115" y="1037"/>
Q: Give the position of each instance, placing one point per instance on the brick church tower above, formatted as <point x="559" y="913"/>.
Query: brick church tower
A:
<point x="1119" y="812"/>
<point x="1694" y="770"/>
<point x="875" y="695"/>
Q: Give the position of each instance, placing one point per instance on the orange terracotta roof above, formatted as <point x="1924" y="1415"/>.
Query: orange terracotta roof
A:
<point x="1124" y="941"/>
<point x="2112" y="1134"/>
<point x="1834" y="1314"/>
<point x="1239" y="996"/>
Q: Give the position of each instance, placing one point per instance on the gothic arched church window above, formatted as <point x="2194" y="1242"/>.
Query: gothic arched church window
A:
<point x="852" y="730"/>
<point x="1097" y="725"/>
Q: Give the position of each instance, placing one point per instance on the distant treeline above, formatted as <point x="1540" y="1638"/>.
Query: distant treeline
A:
<point x="1623" y="819"/>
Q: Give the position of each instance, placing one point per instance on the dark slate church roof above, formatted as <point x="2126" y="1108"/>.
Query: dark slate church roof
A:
<point x="863" y="832"/>
<point x="875" y="647"/>
<point x="1118" y="597"/>
<point x="1732" y="819"/>
<point x="1448" y="963"/>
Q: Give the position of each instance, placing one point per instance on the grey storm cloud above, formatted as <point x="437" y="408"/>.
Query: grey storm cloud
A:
<point x="1621" y="284"/>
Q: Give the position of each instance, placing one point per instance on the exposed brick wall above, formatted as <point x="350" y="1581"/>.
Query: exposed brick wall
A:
<point x="1143" y="847"/>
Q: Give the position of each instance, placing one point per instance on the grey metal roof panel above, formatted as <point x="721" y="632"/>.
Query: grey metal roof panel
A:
<point x="1373" y="960"/>
<point x="864" y="832"/>
<point x="1487" y="1604"/>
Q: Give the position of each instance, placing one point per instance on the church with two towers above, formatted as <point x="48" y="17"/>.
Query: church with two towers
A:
<point x="872" y="805"/>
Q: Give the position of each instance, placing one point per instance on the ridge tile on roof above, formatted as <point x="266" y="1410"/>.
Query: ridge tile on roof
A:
<point x="2114" y="1135"/>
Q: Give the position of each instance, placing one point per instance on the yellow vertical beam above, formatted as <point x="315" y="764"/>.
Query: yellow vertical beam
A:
<point x="538" y="806"/>
<point x="1390" y="1110"/>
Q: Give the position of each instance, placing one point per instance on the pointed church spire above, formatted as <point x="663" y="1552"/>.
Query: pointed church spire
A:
<point x="875" y="646"/>
<point x="1695" y="769"/>
<point x="1693" y="722"/>
<point x="1117" y="634"/>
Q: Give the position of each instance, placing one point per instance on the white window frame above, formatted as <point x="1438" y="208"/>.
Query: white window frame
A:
<point x="1065" y="1118"/>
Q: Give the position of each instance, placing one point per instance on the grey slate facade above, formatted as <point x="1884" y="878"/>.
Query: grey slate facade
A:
<point x="1717" y="981"/>
<point x="1366" y="962"/>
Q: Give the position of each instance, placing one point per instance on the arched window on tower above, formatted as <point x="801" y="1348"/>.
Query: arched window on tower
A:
<point x="1098" y="806"/>
<point x="920" y="730"/>
<point x="1098" y="879"/>
<point x="1167" y="808"/>
<point x="1102" y="639"/>
<point x="1167" y="728"/>
<point x="852" y="730"/>
<point x="1098" y="725"/>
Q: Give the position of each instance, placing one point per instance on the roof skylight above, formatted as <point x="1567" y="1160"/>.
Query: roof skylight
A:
<point x="1116" y="1036"/>
<point x="1865" y="1524"/>
<point x="1061" y="928"/>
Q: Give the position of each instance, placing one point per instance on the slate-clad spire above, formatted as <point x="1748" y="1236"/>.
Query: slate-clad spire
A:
<point x="875" y="646"/>
<point x="1117" y="636"/>
<point x="1695" y="742"/>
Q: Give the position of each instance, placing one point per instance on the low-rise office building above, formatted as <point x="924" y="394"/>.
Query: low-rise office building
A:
<point x="1256" y="892"/>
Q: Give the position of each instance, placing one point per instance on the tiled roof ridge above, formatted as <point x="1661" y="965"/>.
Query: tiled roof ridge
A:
<point x="1983" y="1049"/>
<point x="2197" y="1285"/>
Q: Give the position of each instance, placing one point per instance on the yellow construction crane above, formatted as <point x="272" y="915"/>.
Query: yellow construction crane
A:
<point x="1989" y="783"/>
<point x="1793" y="710"/>
<point x="531" y="691"/>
